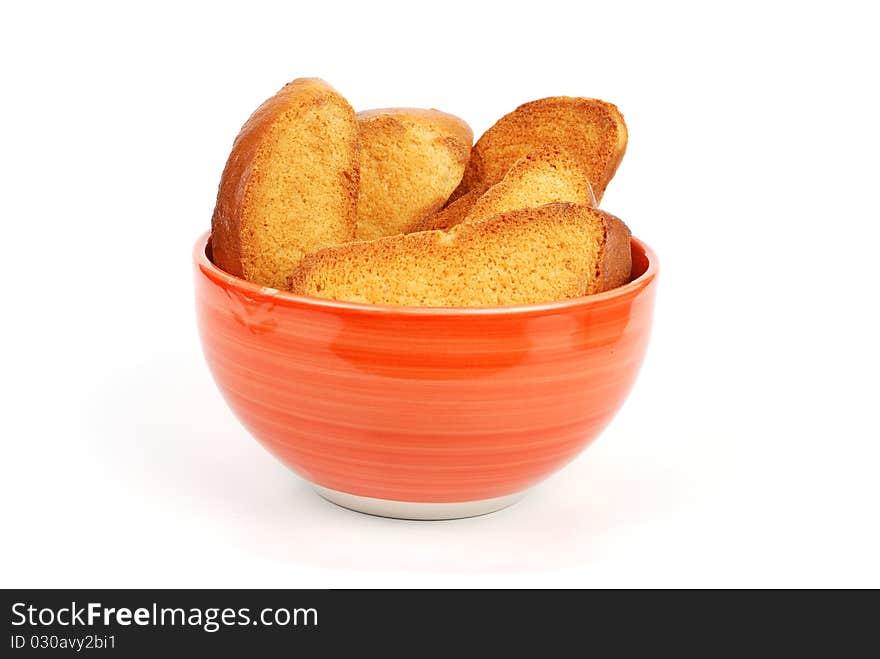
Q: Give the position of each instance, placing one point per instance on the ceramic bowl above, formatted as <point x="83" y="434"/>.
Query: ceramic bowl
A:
<point x="422" y="413"/>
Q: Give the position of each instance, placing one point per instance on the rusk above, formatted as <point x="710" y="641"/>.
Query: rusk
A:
<point x="554" y="252"/>
<point x="539" y="178"/>
<point x="592" y="131"/>
<point x="290" y="185"/>
<point x="411" y="161"/>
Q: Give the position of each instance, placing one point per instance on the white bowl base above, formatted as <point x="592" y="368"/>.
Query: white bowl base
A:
<point x="416" y="510"/>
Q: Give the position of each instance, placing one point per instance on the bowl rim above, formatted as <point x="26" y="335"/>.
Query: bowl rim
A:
<point x="252" y="290"/>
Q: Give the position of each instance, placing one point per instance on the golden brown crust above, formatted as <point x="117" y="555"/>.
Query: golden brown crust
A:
<point x="411" y="160"/>
<point x="446" y="218"/>
<point x="271" y="209"/>
<point x="592" y="131"/>
<point x="614" y="267"/>
<point x="554" y="252"/>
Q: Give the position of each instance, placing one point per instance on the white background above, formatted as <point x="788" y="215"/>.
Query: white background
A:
<point x="747" y="455"/>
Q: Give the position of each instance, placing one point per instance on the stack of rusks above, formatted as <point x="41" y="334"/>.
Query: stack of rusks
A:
<point x="396" y="207"/>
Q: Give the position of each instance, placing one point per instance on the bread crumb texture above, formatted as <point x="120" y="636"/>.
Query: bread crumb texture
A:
<point x="592" y="131"/>
<point x="554" y="252"/>
<point x="411" y="161"/>
<point x="290" y="185"/>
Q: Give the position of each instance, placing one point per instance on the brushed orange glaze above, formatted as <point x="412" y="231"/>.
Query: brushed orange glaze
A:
<point x="417" y="404"/>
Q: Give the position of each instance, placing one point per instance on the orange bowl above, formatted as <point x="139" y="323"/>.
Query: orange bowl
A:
<point x="421" y="412"/>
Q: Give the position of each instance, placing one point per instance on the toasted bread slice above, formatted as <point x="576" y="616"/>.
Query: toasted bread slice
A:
<point x="554" y="252"/>
<point x="539" y="178"/>
<point x="446" y="218"/>
<point x="411" y="160"/>
<point x="592" y="131"/>
<point x="290" y="185"/>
